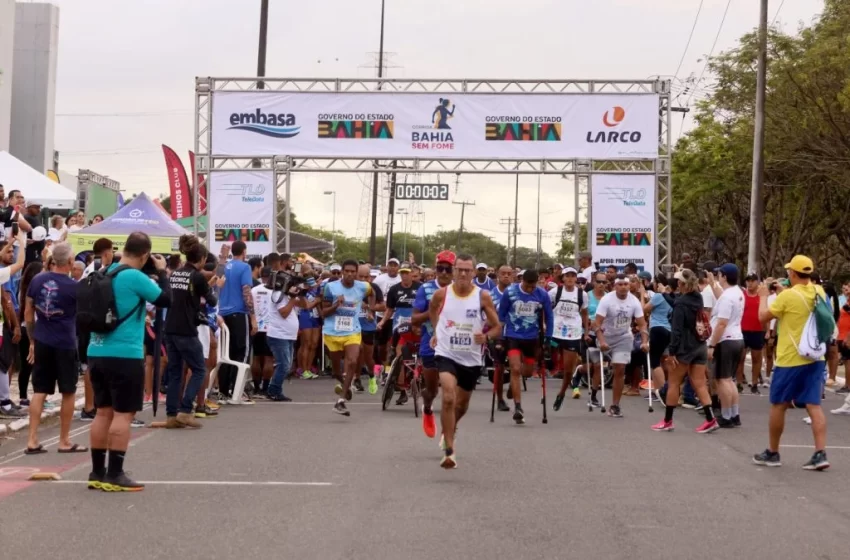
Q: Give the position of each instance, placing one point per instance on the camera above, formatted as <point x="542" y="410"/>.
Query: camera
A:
<point x="149" y="268"/>
<point x="280" y="281"/>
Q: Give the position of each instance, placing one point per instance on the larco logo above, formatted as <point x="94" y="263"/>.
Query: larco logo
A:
<point x="630" y="197"/>
<point x="245" y="193"/>
<point x="612" y="119"/>
<point x="280" y="125"/>
<point x="136" y="213"/>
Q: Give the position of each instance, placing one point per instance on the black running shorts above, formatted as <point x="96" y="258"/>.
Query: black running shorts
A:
<point x="118" y="383"/>
<point x="54" y="366"/>
<point x="367" y="338"/>
<point x="467" y="376"/>
<point x="528" y="349"/>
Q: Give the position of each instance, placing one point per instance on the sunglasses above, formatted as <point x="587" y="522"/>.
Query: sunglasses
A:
<point x="336" y="272"/>
<point x="602" y="281"/>
<point x="443" y="268"/>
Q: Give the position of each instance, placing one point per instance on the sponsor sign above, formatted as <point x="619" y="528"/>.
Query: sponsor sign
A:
<point x="623" y="220"/>
<point x="241" y="208"/>
<point x="432" y="125"/>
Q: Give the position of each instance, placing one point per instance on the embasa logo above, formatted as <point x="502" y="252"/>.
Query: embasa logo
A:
<point x="281" y="125"/>
<point x="613" y="118"/>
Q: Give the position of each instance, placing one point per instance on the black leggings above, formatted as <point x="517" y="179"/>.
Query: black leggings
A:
<point x="26" y="367"/>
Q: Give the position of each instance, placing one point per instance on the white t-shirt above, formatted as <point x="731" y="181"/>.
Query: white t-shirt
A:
<point x="729" y="306"/>
<point x="708" y="299"/>
<point x="588" y="273"/>
<point x="280" y="327"/>
<point x="618" y="314"/>
<point x="262" y="297"/>
<point x="74" y="228"/>
<point x="770" y="299"/>
<point x="567" y="324"/>
<point x="385" y="282"/>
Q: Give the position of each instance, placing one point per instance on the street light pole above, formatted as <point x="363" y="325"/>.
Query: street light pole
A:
<point x="333" y="227"/>
<point x="756" y="202"/>
<point x="374" y="232"/>
<point x="422" y="262"/>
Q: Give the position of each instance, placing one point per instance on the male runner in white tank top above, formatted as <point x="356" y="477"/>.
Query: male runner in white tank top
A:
<point x="458" y="314"/>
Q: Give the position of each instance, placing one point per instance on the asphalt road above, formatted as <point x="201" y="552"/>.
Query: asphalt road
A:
<point x="583" y="486"/>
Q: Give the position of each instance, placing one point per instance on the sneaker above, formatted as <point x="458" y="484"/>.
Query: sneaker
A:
<point x="338" y="388"/>
<point x="740" y="388"/>
<point x="765" y="384"/>
<point x="736" y="420"/>
<point x="120" y="483"/>
<point x="844" y="409"/>
<point x="644" y="384"/>
<point x="212" y="405"/>
<point x="187" y="420"/>
<point x="690" y="405"/>
<point x="246" y="399"/>
<point x="340" y="408"/>
<point x="768" y="458"/>
<point x="559" y="400"/>
<point x="206" y="412"/>
<point x="48" y="405"/>
<point x="724" y="423"/>
<point x="148" y="399"/>
<point x="614" y="411"/>
<point x="307" y="375"/>
<point x="595" y="403"/>
<point x="279" y="398"/>
<point x="358" y="385"/>
<point x="402" y="399"/>
<point x="708" y="426"/>
<point x="830" y="382"/>
<point x="576" y="393"/>
<point x="818" y="462"/>
<point x="754" y="390"/>
<point x="519" y="417"/>
<point x="95" y="481"/>
<point x="136" y="423"/>
<point x="448" y="461"/>
<point x="429" y="426"/>
<point x="373" y="385"/>
<point x="11" y="413"/>
<point x="663" y="426"/>
<point x="843" y="390"/>
<point x="807" y="420"/>
<point x="503" y="407"/>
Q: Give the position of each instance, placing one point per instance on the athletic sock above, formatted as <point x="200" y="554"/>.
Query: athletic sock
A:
<point x="734" y="410"/>
<point x="668" y="413"/>
<point x="116" y="462"/>
<point x="593" y="393"/>
<point x="265" y="385"/>
<point x="726" y="413"/>
<point x="709" y="414"/>
<point x="98" y="461"/>
<point x="517" y="406"/>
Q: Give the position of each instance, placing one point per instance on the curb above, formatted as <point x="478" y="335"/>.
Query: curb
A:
<point x="22" y="423"/>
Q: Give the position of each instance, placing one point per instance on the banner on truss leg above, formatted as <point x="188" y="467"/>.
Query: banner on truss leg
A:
<point x="623" y="221"/>
<point x="241" y="208"/>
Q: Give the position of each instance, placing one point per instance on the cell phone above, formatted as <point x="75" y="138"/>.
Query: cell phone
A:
<point x="15" y="229"/>
<point x="296" y="268"/>
<point x="219" y="270"/>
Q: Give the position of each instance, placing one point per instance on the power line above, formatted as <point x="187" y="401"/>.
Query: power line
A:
<point x="776" y="15"/>
<point x="710" y="52"/>
<point x="691" y="36"/>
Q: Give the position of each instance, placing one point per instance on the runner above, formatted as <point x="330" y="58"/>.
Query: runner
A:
<point x="481" y="279"/>
<point x="400" y="301"/>
<point x="688" y="352"/>
<point x="796" y="379"/>
<point x="593" y="298"/>
<point x="753" y="331"/>
<point x="341" y="310"/>
<point x="569" y="307"/>
<point x="726" y="345"/>
<point x="385" y="281"/>
<point x="368" y="327"/>
<point x="660" y="309"/>
<point x="499" y="356"/>
<point x="309" y="326"/>
<point x="444" y="271"/>
<point x="613" y="326"/>
<point x="459" y="313"/>
<point x="520" y="311"/>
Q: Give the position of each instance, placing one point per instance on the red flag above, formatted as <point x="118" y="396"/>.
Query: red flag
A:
<point x="202" y="203"/>
<point x="181" y="200"/>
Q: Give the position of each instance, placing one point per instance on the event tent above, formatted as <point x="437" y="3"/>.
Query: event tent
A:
<point x="140" y="214"/>
<point x="15" y="174"/>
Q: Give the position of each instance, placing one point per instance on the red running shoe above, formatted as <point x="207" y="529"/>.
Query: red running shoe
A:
<point x="428" y="424"/>
<point x="708" y="426"/>
<point x="663" y="426"/>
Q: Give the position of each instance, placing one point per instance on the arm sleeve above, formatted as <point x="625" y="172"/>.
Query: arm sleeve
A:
<point x="420" y="304"/>
<point x="505" y="307"/>
<point x="547" y="312"/>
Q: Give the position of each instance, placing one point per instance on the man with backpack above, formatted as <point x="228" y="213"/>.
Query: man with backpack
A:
<point x="111" y="305"/>
<point x="805" y="325"/>
<point x="569" y="306"/>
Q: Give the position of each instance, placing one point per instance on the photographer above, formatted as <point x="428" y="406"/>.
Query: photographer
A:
<point x="188" y="286"/>
<point x="116" y="361"/>
<point x="282" y="333"/>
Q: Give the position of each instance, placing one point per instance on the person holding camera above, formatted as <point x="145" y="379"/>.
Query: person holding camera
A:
<point x="188" y="286"/>
<point x="116" y="361"/>
<point x="281" y="334"/>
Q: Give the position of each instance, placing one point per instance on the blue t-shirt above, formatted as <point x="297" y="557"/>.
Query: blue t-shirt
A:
<point x="309" y="318"/>
<point x="488" y="284"/>
<point x="236" y="274"/>
<point x="54" y="298"/>
<point x="12" y="286"/>
<point x="420" y="304"/>
<point x="660" y="316"/>
<point x="592" y="304"/>
<point x="127" y="341"/>
<point x="520" y="312"/>
<point x="345" y="321"/>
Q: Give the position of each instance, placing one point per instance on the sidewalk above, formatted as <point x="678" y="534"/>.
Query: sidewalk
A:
<point x="8" y="426"/>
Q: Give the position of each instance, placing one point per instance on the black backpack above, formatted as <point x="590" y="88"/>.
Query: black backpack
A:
<point x="560" y="291"/>
<point x="97" y="311"/>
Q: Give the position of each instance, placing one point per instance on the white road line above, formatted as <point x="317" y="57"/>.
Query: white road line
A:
<point x="810" y="446"/>
<point x="210" y="483"/>
<point x="328" y="403"/>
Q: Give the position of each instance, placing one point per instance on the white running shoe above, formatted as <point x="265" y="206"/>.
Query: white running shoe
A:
<point x="807" y="420"/>
<point x="843" y="410"/>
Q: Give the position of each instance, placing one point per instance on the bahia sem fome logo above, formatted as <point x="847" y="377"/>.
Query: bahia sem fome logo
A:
<point x="613" y="133"/>
<point x="280" y="125"/>
<point x="436" y="136"/>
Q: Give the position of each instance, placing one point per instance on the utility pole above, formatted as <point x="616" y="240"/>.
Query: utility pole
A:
<point x="264" y="33"/>
<point x="516" y="212"/>
<point x="391" y="221"/>
<point x="372" y="237"/>
<point x="462" y="212"/>
<point x="756" y="201"/>
<point x="509" y="221"/>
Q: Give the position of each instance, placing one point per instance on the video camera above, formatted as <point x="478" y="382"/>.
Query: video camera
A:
<point x="284" y="281"/>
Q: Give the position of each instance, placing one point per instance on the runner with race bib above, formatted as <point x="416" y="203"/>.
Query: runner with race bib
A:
<point x="400" y="301"/>
<point x="569" y="307"/>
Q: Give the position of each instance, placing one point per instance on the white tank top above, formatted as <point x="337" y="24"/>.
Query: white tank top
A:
<point x="460" y="319"/>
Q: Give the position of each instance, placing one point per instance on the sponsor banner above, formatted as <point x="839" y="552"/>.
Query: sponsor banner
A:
<point x="181" y="200"/>
<point x="435" y="125"/>
<point x="241" y="208"/>
<point x="202" y="202"/>
<point x="623" y="220"/>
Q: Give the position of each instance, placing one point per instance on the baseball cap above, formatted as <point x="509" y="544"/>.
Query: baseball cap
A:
<point x="405" y="267"/>
<point x="446" y="257"/>
<point x="335" y="268"/>
<point x="29" y="203"/>
<point x="730" y="271"/>
<point x="557" y="265"/>
<point x="645" y="275"/>
<point x="481" y="266"/>
<point x="801" y="264"/>
<point x="39" y="233"/>
<point x="374" y="273"/>
<point x="567" y="270"/>
<point x="679" y="276"/>
<point x="393" y="261"/>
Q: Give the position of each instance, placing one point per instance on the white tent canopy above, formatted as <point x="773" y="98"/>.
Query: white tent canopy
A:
<point x="16" y="175"/>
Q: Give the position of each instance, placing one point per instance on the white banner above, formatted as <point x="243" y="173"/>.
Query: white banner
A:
<point x="241" y="208"/>
<point x="623" y="221"/>
<point x="435" y="125"/>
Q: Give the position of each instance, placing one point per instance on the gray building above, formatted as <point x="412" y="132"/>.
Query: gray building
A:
<point x="34" y="87"/>
<point x="7" y="49"/>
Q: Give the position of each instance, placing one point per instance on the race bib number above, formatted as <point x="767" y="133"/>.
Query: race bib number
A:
<point x="622" y="322"/>
<point x="343" y="323"/>
<point x="569" y="332"/>
<point x="526" y="309"/>
<point x="403" y="321"/>
<point x="461" y="342"/>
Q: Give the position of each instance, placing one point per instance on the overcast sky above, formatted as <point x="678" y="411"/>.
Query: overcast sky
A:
<point x="126" y="75"/>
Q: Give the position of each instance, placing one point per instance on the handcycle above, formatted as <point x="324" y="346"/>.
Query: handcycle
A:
<point x="409" y="363"/>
